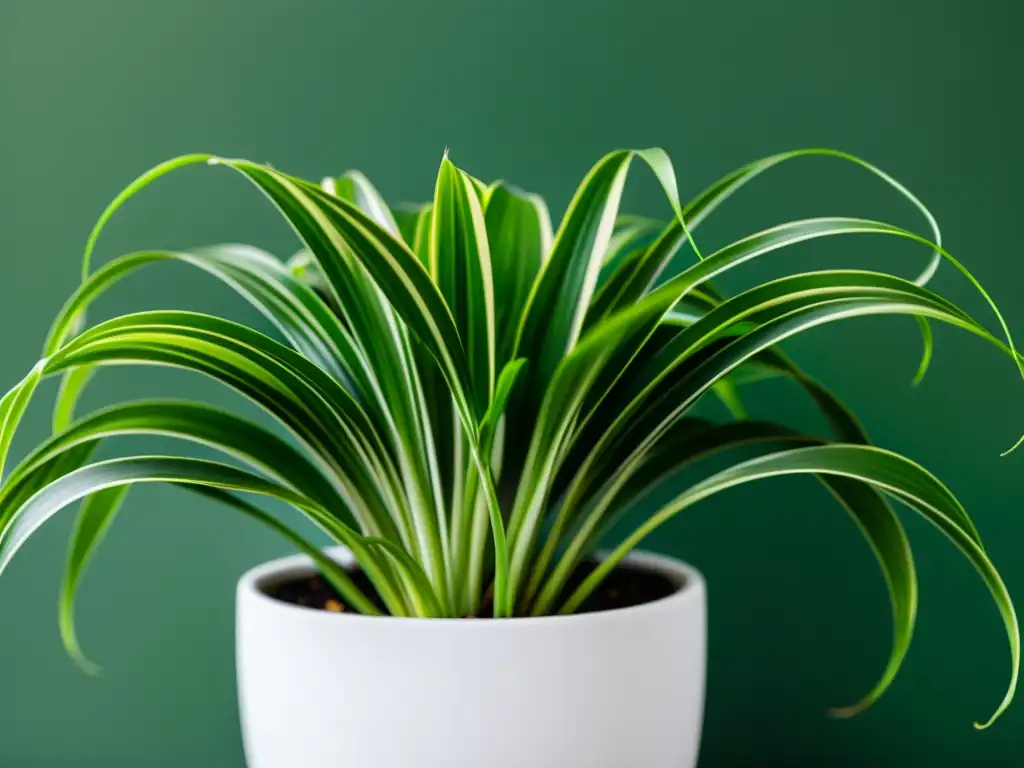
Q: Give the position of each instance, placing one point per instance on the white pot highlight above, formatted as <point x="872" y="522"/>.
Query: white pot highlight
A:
<point x="617" y="689"/>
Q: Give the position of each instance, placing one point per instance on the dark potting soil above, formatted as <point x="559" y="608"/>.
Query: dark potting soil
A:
<point x="624" y="587"/>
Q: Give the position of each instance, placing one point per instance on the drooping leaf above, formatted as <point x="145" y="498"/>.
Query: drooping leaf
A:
<point x="689" y="441"/>
<point x="17" y="523"/>
<point x="651" y="411"/>
<point x="783" y="308"/>
<point x="635" y="278"/>
<point x="94" y="518"/>
<point x="310" y="403"/>
<point x="887" y="471"/>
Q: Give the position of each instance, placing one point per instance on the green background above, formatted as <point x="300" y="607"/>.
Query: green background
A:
<point x="92" y="93"/>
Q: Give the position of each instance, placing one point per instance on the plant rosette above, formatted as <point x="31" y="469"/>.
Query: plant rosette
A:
<point x="467" y="400"/>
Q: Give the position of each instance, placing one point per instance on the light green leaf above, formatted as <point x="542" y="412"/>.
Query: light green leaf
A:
<point x="887" y="471"/>
<point x="502" y="392"/>
<point x="12" y="408"/>
<point x="689" y="441"/>
<point x="519" y="233"/>
<point x="315" y="407"/>
<point x="729" y="395"/>
<point x="407" y="218"/>
<point x="638" y="276"/>
<point x="97" y="513"/>
<point x="460" y="264"/>
<point x="652" y="401"/>
<point x="17" y="523"/>
<point x="555" y="310"/>
<point x="357" y="189"/>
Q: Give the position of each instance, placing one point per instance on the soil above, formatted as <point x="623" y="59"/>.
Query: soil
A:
<point x="624" y="587"/>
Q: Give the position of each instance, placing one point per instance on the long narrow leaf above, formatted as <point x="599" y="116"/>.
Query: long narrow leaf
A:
<point x="882" y="469"/>
<point x="94" y="518"/>
<point x="520" y="238"/>
<point x="801" y="310"/>
<point x="460" y="264"/>
<point x="633" y="279"/>
<point x="17" y="524"/>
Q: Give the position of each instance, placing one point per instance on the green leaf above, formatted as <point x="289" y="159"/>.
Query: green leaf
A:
<point x="301" y="316"/>
<point x="556" y="309"/>
<point x="204" y="425"/>
<point x="554" y="313"/>
<point x="770" y="299"/>
<point x="652" y="401"/>
<point x="630" y="232"/>
<point x="335" y="574"/>
<point x="689" y="441"/>
<point x="729" y="395"/>
<point x="664" y="398"/>
<point x="416" y="583"/>
<point x="18" y="523"/>
<point x="361" y="260"/>
<point x="887" y="471"/>
<point x="72" y="384"/>
<point x="408" y="218"/>
<point x="460" y="264"/>
<point x="129" y="192"/>
<point x="563" y="403"/>
<point x="502" y="392"/>
<point x="926" y="357"/>
<point x="315" y="407"/>
<point x="770" y="240"/>
<point x="638" y="276"/>
<point x="97" y="513"/>
<point x="191" y="422"/>
<point x="357" y="189"/>
<point x="336" y="230"/>
<point x="12" y="408"/>
<point x="519" y="233"/>
<point x="469" y="531"/>
<point x="333" y="227"/>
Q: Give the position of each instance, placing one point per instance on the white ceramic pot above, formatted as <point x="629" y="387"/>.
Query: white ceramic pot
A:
<point x="618" y="689"/>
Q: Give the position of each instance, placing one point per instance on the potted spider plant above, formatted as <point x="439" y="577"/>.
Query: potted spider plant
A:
<point x="464" y="400"/>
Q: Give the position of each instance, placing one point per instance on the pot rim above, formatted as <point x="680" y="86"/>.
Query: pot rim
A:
<point x="688" y="580"/>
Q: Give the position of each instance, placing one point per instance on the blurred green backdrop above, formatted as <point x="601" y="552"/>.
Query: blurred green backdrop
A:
<point x="92" y="93"/>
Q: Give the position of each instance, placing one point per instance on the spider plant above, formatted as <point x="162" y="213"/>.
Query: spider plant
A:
<point x="466" y="399"/>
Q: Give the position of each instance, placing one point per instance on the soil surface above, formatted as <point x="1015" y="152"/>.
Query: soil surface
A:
<point x="624" y="587"/>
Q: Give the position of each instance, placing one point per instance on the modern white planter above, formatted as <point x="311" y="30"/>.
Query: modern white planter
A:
<point x="618" y="689"/>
